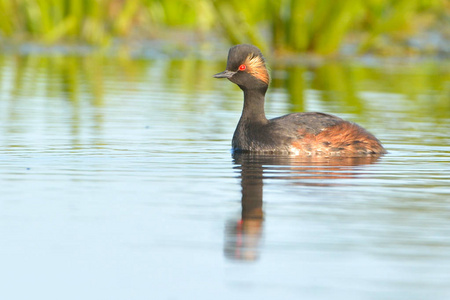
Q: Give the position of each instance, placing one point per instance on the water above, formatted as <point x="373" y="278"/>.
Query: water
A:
<point x="117" y="182"/>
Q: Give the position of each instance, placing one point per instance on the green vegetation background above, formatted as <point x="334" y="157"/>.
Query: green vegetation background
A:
<point x="313" y="26"/>
<point x="320" y="27"/>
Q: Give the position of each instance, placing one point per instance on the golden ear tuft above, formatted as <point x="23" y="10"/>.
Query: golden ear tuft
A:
<point x="256" y="67"/>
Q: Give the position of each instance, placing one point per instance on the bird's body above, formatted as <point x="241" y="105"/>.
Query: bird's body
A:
<point x="305" y="134"/>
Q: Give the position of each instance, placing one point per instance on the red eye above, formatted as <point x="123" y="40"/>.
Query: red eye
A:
<point x="242" y="67"/>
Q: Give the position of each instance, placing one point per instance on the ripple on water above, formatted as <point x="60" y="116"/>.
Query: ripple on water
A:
<point x="128" y="177"/>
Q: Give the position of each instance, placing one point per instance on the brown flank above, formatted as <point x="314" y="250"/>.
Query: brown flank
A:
<point x="343" y="139"/>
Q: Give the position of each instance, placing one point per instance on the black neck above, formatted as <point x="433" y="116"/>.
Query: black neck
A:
<point x="253" y="111"/>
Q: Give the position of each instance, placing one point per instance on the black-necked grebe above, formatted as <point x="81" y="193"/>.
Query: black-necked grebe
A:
<point x="308" y="133"/>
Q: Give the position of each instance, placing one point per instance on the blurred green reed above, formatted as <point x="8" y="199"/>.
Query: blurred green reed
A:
<point x="316" y="26"/>
<point x="339" y="84"/>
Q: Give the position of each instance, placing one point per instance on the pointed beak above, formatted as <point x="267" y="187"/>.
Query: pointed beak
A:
<point x="224" y="74"/>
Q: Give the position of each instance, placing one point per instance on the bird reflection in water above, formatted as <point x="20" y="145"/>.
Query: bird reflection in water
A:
<point x="243" y="237"/>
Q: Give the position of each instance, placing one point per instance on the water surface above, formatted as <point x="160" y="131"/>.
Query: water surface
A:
<point x="117" y="182"/>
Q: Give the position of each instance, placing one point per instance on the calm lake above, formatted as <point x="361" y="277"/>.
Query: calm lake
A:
<point x="117" y="182"/>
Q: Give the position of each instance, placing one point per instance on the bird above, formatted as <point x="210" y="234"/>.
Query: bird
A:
<point x="301" y="134"/>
